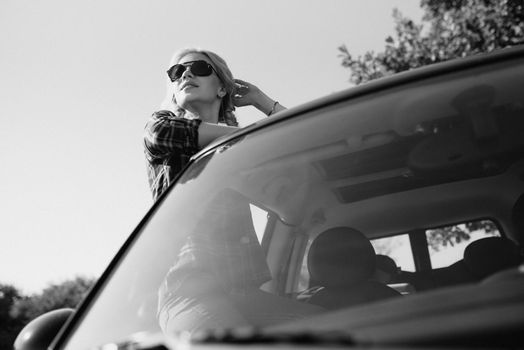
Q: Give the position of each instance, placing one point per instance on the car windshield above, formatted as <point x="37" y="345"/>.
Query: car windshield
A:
<point x="359" y="201"/>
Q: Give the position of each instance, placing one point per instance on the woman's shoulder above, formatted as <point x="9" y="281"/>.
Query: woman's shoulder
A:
<point x="167" y="119"/>
<point x="163" y="113"/>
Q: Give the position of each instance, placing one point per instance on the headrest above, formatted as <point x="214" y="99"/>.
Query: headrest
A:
<point x="489" y="255"/>
<point x="386" y="264"/>
<point x="341" y="256"/>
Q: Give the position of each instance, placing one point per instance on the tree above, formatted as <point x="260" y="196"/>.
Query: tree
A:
<point x="9" y="326"/>
<point x="66" y="294"/>
<point x="451" y="235"/>
<point x="17" y="310"/>
<point x="450" y="29"/>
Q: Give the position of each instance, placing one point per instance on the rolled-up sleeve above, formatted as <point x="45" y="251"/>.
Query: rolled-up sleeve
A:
<point x="169" y="144"/>
<point x="165" y="133"/>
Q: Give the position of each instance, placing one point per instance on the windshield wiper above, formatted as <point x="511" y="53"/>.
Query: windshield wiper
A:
<point x="258" y="336"/>
<point x="158" y="341"/>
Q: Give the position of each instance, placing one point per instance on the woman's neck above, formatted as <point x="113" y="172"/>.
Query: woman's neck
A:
<point x="206" y="113"/>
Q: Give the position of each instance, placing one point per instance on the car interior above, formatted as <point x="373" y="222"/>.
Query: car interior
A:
<point x="429" y="177"/>
<point x="412" y="212"/>
<point x="455" y="168"/>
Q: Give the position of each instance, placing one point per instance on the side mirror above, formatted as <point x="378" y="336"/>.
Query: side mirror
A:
<point x="40" y="332"/>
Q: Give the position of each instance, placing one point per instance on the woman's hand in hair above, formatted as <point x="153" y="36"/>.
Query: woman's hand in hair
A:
<point x="247" y="94"/>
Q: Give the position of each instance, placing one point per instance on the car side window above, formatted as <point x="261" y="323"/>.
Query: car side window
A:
<point x="446" y="244"/>
<point x="398" y="248"/>
<point x="260" y="219"/>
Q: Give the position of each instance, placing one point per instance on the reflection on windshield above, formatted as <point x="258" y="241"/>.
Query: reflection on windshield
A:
<point x="216" y="279"/>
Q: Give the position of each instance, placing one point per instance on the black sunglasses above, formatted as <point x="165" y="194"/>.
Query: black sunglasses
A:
<point x="198" y="68"/>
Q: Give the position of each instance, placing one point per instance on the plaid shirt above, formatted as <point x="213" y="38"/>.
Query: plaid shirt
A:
<point x="224" y="244"/>
<point x="221" y="253"/>
<point x="169" y="143"/>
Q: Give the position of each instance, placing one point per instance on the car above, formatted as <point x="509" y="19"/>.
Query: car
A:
<point x="390" y="214"/>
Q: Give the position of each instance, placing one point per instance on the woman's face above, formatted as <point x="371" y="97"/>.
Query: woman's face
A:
<point x="190" y="88"/>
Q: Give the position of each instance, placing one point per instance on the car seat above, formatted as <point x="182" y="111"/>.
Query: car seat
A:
<point x="342" y="261"/>
<point x="481" y="259"/>
<point x="386" y="270"/>
<point x="389" y="273"/>
<point x="489" y="255"/>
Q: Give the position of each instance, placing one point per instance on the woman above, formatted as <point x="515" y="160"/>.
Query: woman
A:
<point x="198" y="108"/>
<point x="216" y="277"/>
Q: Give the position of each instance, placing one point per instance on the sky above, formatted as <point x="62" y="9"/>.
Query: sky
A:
<point x="79" y="79"/>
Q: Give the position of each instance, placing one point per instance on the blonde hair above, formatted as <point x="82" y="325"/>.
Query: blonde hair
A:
<point x="226" y="114"/>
